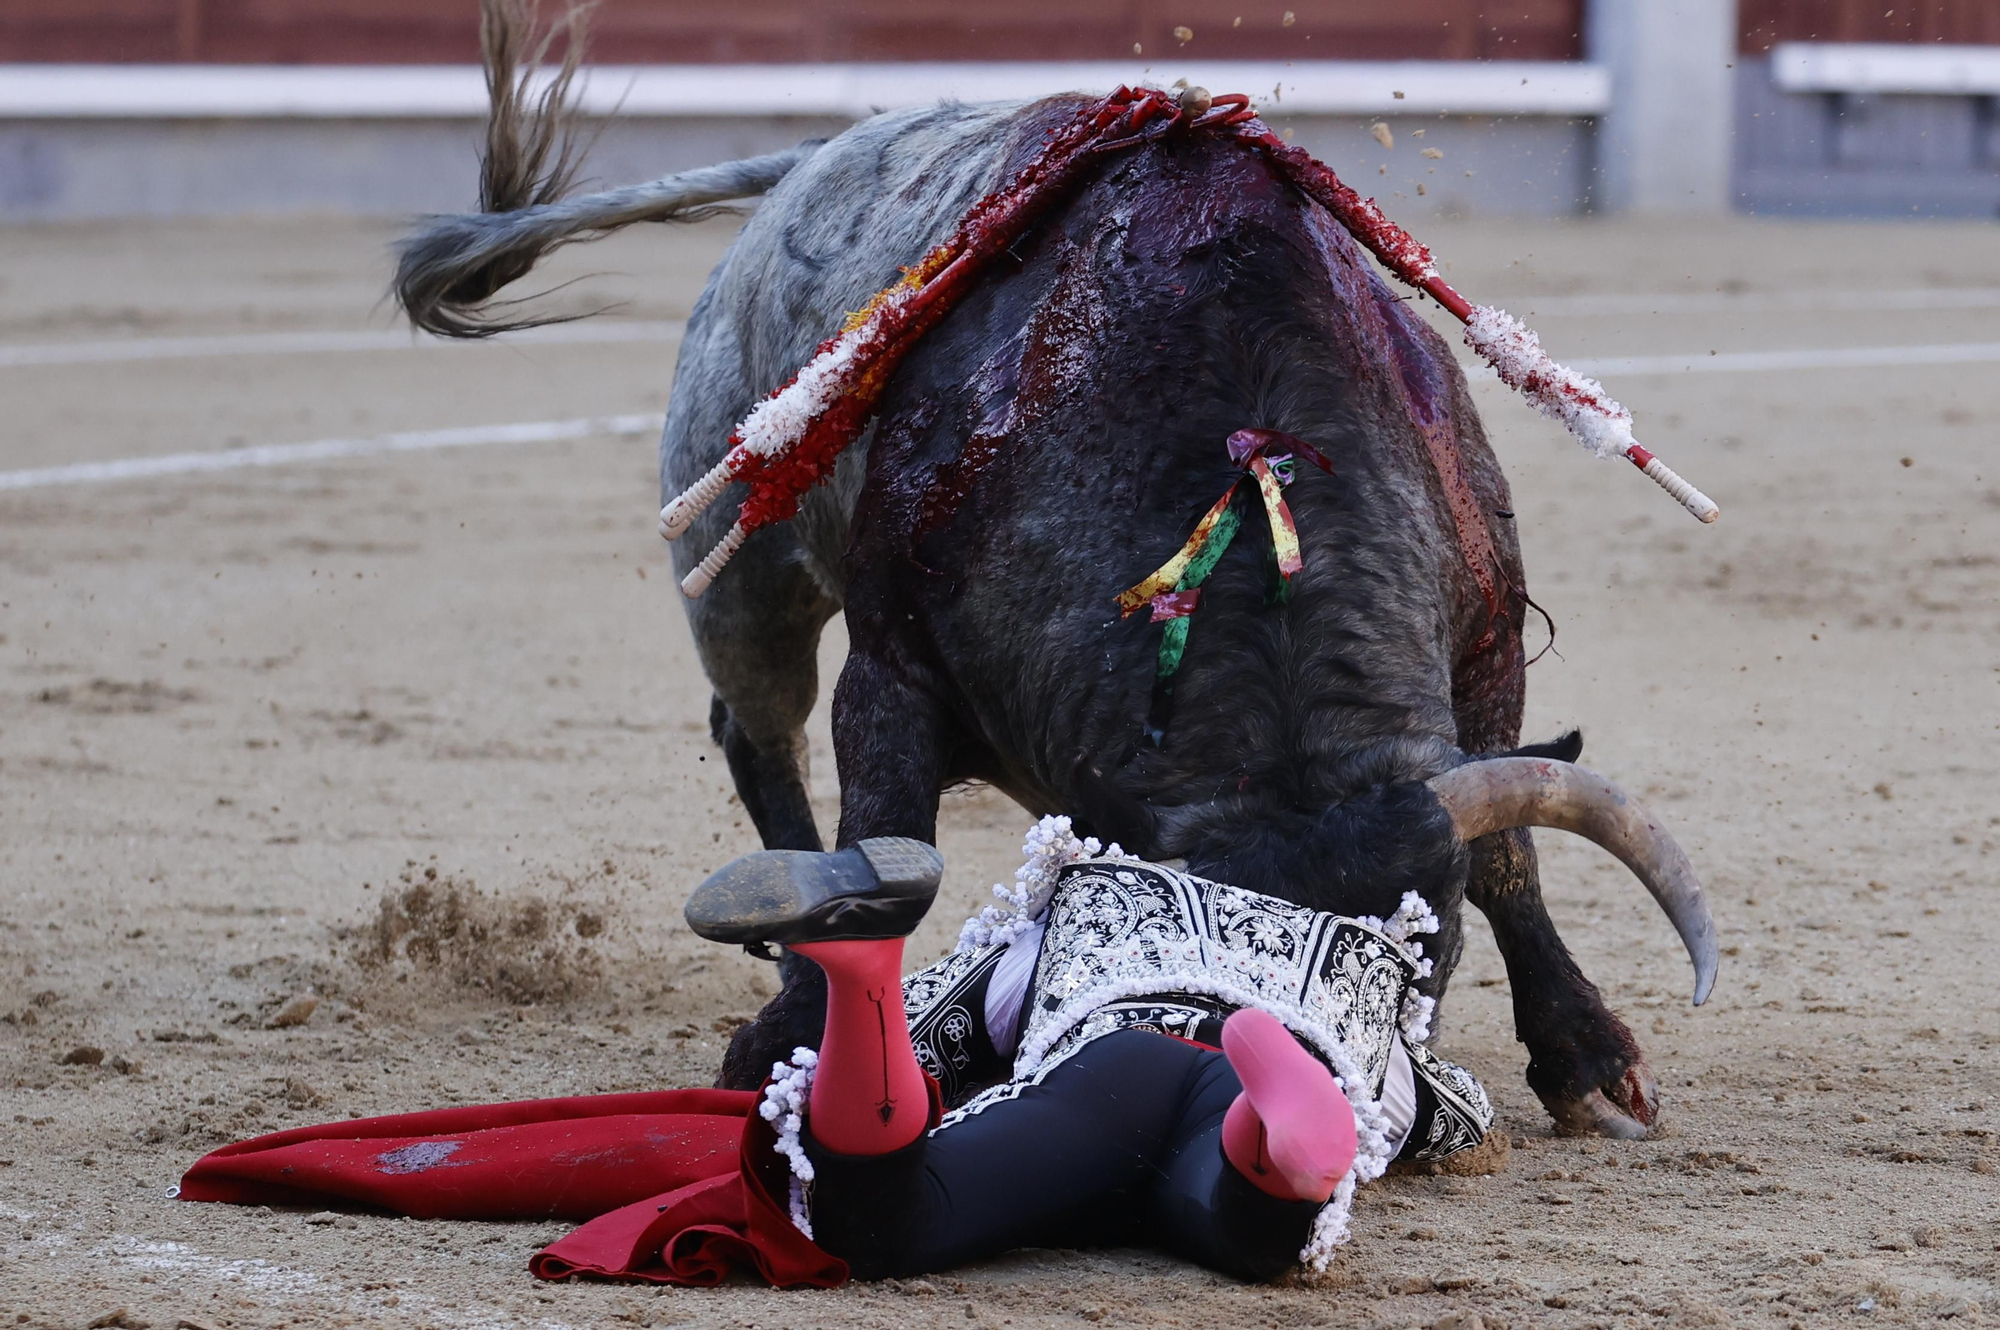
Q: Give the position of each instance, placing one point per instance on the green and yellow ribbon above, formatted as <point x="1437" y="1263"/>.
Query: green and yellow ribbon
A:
<point x="1173" y="590"/>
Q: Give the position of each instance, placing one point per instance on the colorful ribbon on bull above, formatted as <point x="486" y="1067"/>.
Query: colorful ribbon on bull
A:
<point x="1173" y="590"/>
<point x="789" y="441"/>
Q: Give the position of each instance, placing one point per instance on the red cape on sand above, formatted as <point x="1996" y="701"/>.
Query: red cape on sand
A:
<point x="677" y="1186"/>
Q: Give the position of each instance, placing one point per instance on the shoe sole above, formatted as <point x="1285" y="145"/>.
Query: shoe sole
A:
<point x="875" y="888"/>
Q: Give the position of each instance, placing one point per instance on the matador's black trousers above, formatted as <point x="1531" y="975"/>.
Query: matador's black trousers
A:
<point x="1120" y="1145"/>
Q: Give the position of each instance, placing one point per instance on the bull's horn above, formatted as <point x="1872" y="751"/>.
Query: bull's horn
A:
<point x="1502" y="793"/>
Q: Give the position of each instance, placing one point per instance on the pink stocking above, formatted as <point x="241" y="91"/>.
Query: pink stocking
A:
<point x="1291" y="1131"/>
<point x="868" y="1094"/>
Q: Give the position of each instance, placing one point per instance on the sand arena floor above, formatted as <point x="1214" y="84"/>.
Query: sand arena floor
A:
<point x="242" y="710"/>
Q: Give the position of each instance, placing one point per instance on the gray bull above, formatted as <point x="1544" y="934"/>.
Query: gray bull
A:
<point x="1045" y="447"/>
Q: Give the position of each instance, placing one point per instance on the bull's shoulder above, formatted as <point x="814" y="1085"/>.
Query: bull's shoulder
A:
<point x="841" y="226"/>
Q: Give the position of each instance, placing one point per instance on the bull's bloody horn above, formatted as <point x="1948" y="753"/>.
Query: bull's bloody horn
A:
<point x="790" y="440"/>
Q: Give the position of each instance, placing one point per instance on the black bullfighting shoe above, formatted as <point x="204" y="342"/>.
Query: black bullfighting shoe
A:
<point x="872" y="889"/>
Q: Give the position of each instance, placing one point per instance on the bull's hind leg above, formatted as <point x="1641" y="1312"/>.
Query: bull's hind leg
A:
<point x="758" y="633"/>
<point x="1583" y="1062"/>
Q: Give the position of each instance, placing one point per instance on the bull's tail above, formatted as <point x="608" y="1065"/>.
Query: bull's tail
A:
<point x="451" y="265"/>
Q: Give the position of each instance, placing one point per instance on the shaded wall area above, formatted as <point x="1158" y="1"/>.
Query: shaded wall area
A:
<point x="50" y="170"/>
<point x="1862" y="155"/>
<point x="1834" y="153"/>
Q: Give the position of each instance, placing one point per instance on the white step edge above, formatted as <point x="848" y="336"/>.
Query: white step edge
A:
<point x="1878" y="67"/>
<point x="848" y="91"/>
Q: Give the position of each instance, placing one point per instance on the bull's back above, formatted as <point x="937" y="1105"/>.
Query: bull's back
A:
<point x="1057" y="437"/>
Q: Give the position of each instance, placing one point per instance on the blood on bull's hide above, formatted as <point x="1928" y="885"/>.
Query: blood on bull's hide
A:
<point x="1042" y="449"/>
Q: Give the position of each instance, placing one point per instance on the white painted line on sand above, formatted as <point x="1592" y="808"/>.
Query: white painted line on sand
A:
<point x="1758" y="302"/>
<point x="550" y="431"/>
<point x="321" y="343"/>
<point x="282" y="454"/>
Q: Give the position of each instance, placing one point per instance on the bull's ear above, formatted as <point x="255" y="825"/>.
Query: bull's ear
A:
<point x="1566" y="748"/>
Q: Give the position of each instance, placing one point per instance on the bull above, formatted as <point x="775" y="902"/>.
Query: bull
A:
<point x="1039" y="451"/>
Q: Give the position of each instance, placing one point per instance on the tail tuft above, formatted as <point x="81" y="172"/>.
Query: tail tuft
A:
<point x="450" y="267"/>
<point x="532" y="153"/>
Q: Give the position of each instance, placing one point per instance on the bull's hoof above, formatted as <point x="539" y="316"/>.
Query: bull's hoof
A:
<point x="1625" y="1109"/>
<point x="873" y="889"/>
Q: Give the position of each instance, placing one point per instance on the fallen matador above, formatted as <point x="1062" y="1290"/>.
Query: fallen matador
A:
<point x="1128" y="1055"/>
<point x="1165" y="1060"/>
